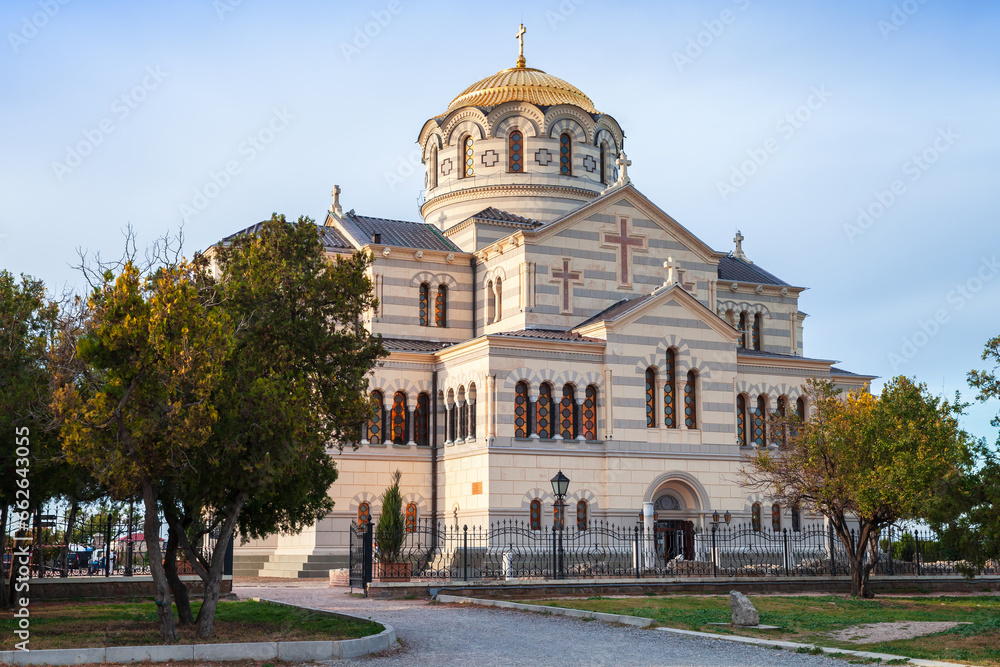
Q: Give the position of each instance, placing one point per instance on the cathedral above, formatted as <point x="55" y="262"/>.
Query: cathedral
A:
<point x="545" y="315"/>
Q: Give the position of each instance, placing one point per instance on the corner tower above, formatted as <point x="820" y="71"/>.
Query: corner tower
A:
<point x="520" y="141"/>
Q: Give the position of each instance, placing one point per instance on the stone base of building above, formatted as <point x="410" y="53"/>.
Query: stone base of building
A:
<point x="287" y="566"/>
<point x="80" y="588"/>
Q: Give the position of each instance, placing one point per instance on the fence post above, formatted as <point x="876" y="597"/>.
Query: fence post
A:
<point x="715" y="567"/>
<point x="833" y="564"/>
<point x="107" y="549"/>
<point x="916" y="551"/>
<point x="892" y="569"/>
<point x="785" y="535"/>
<point x="465" y="552"/>
<point x="637" y="553"/>
<point x="555" y="558"/>
<point x="368" y="551"/>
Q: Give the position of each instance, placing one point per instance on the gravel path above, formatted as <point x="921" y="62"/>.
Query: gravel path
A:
<point x="445" y="635"/>
<point x="887" y="632"/>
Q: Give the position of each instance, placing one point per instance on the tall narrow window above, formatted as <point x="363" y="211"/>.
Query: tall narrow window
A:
<point x="521" y="425"/>
<point x="472" y="411"/>
<point x="590" y="413"/>
<point x="744" y="325"/>
<point x="567" y="413"/>
<point x="581" y="515"/>
<point x="515" y="151"/>
<point x="741" y="421"/>
<point x="499" y="296"/>
<point x="565" y="154"/>
<point x="604" y="163"/>
<point x="669" y="391"/>
<point x="463" y="415"/>
<point x="425" y="305"/>
<point x="364" y="514"/>
<point x="759" y="422"/>
<point x="535" y="515"/>
<point x="411" y="517"/>
<point x="800" y="409"/>
<point x="375" y="433"/>
<point x="469" y="154"/>
<point x="398" y="418"/>
<point x="781" y="436"/>
<point x="650" y="398"/>
<point x="421" y="417"/>
<point x="441" y="306"/>
<point x="544" y="419"/>
<point x="776" y="517"/>
<point x="491" y="303"/>
<point x="796" y="519"/>
<point x="755" y="516"/>
<point x="758" y="333"/>
<point x="691" y="401"/>
<point x="432" y="180"/>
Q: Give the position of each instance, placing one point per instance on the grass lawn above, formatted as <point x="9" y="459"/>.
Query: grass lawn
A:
<point x="809" y="619"/>
<point x="78" y="624"/>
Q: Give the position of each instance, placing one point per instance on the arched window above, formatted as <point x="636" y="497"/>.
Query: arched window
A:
<point x="670" y="391"/>
<point x="565" y="154"/>
<point x="469" y="157"/>
<point x="432" y="172"/>
<point x="425" y="305"/>
<point x="364" y="514"/>
<point x="604" y="163"/>
<point x="758" y="331"/>
<point x="590" y="413"/>
<point x="515" y="152"/>
<point x="691" y="401"/>
<point x="781" y="436"/>
<point x="759" y="423"/>
<point x="535" y="515"/>
<point x="398" y="419"/>
<point x="441" y="306"/>
<point x="463" y="415"/>
<point x="650" y="397"/>
<point x="499" y="299"/>
<point x="567" y="413"/>
<point x="744" y="325"/>
<point x="422" y="418"/>
<point x="796" y="519"/>
<point x="800" y="409"/>
<point x="521" y="412"/>
<point x="741" y="421"/>
<point x="472" y="411"/>
<point x="755" y="516"/>
<point x="375" y="426"/>
<point x="581" y="515"/>
<point x="776" y="517"/>
<point x="411" y="517"/>
<point x="544" y="412"/>
<point x="451" y="418"/>
<point x="491" y="303"/>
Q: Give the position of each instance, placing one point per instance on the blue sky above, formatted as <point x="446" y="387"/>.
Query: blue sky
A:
<point x="787" y="120"/>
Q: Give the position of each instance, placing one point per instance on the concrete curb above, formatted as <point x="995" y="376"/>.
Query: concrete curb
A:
<point x="295" y="651"/>
<point x="640" y="622"/>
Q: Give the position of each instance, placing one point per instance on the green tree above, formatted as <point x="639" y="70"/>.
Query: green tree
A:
<point x="391" y="528"/>
<point x="295" y="383"/>
<point x="139" y="409"/>
<point x="27" y="322"/>
<point x="864" y="461"/>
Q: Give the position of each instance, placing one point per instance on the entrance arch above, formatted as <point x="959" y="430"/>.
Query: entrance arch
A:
<point x="679" y="501"/>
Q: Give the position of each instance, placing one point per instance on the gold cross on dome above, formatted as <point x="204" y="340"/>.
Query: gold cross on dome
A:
<point x="520" y="38"/>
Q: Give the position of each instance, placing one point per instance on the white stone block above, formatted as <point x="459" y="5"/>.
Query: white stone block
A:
<point x="148" y="653"/>
<point x="241" y="651"/>
<point x="305" y="651"/>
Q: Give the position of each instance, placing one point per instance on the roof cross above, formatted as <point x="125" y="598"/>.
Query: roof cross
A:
<point x="520" y="38"/>
<point x="738" y="239"/>
<point x="623" y="164"/>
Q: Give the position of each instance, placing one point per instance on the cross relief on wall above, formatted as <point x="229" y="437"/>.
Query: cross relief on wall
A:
<point x="567" y="278"/>
<point x="625" y="243"/>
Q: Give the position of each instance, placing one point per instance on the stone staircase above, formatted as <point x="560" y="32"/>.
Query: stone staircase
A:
<point x="287" y="566"/>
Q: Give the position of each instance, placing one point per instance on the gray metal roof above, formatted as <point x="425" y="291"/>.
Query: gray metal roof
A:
<point x="414" y="345"/>
<point x="399" y="233"/>
<point x="732" y="268"/>
<point x="496" y="215"/>
<point x="332" y="240"/>
<point x="615" y="309"/>
<point x="547" y="334"/>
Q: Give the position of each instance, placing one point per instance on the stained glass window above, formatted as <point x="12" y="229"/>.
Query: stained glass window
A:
<point x="364" y="514"/>
<point x="567" y="413"/>
<point x="590" y="413"/>
<point x="565" y="155"/>
<point x="469" y="166"/>
<point x="425" y="305"/>
<point x="758" y="325"/>
<point x="399" y="418"/>
<point x="744" y="325"/>
<point x="690" y="402"/>
<point x="758" y="421"/>
<point x="411" y="517"/>
<point x="669" y="395"/>
<point x="515" y="151"/>
<point x="559" y="515"/>
<point x="463" y="420"/>
<point x="521" y="410"/>
<point x="650" y="398"/>
<point x="421" y="416"/>
<point x="755" y="516"/>
<point x="581" y="515"/>
<point x="741" y="421"/>
<point x="375" y="433"/>
<point x="544" y="414"/>
<point x="536" y="514"/>
<point x="775" y="517"/>
<point x="441" y="306"/>
<point x="472" y="420"/>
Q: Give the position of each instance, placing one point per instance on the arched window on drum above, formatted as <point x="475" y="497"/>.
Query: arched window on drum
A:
<point x="515" y="152"/>
<point x="565" y="154"/>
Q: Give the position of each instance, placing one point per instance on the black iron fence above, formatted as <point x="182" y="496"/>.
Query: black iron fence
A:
<point x="513" y="550"/>
<point x="95" y="541"/>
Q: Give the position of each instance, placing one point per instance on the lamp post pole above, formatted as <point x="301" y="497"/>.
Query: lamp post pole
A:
<point x="560" y="485"/>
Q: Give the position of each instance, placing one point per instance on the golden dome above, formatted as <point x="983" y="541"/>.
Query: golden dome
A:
<point x="522" y="84"/>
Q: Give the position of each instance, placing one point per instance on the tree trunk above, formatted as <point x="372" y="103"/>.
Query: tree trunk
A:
<point x="177" y="587"/>
<point x="4" y="583"/>
<point x="213" y="577"/>
<point x="151" y="527"/>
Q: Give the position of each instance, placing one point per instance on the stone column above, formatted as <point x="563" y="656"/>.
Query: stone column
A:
<point x="411" y="428"/>
<point x="649" y="541"/>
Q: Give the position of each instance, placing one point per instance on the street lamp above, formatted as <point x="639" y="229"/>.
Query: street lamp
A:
<point x="560" y="485"/>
